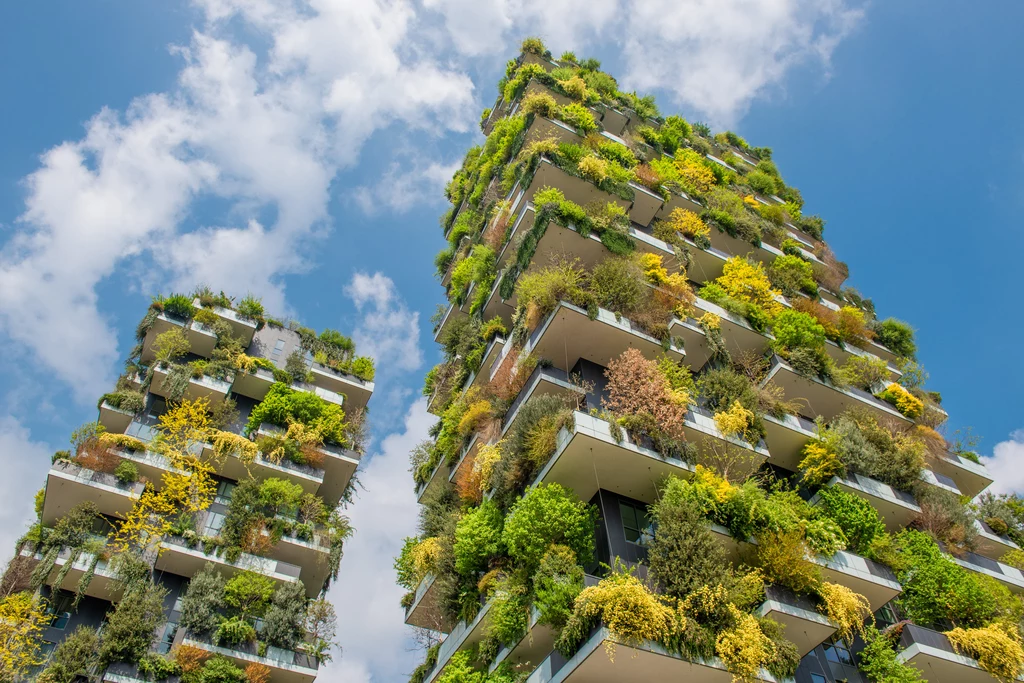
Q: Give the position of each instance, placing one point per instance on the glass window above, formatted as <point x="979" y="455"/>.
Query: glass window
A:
<point x="818" y="678"/>
<point x="635" y="523"/>
<point x="214" y="523"/>
<point x="887" y="615"/>
<point x="836" y="650"/>
<point x="224" y="491"/>
<point x="167" y="637"/>
<point x="278" y="348"/>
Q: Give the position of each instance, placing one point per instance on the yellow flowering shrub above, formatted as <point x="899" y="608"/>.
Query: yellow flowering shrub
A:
<point x="486" y="458"/>
<point x="751" y="201"/>
<point x="693" y="171"/>
<point x="631" y="612"/>
<point x="539" y="103"/>
<point x="229" y="444"/>
<point x="710" y="321"/>
<point x="23" y="618"/>
<point x="425" y="556"/>
<point x="819" y="464"/>
<point x="687" y="223"/>
<point x="846" y="609"/>
<point x="593" y="168"/>
<point x="475" y="414"/>
<point x="997" y="648"/>
<point x="744" y="648"/>
<point x="746" y="281"/>
<point x="735" y="421"/>
<point x="575" y="87"/>
<point x="904" y="401"/>
<point x="123" y="441"/>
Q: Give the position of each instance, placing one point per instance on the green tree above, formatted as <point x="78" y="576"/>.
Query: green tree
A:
<point x="549" y="514"/>
<point x="76" y="655"/>
<point x="132" y="624"/>
<point x="477" y="538"/>
<point x="249" y="593"/>
<point x="200" y="608"/>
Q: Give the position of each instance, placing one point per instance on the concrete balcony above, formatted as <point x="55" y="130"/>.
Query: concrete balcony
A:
<point x="201" y="338"/>
<point x="254" y="385"/>
<point x="1011" y="577"/>
<point x="183" y="558"/>
<point x="931" y="653"/>
<point x="842" y="353"/>
<point x="990" y="544"/>
<point x="424" y="611"/>
<point x="874" y="581"/>
<point x="588" y="458"/>
<point x="646" y="662"/>
<point x="103" y="578"/>
<point x="285" y="666"/>
<point x="241" y="328"/>
<point x="213" y="389"/>
<point x="536" y="644"/>
<point x="786" y="437"/>
<point x="971" y="478"/>
<point x="463" y="636"/>
<point x="356" y="391"/>
<point x="805" y="626"/>
<point x="330" y="481"/>
<point x="818" y="398"/>
<point x="68" y="485"/>
<point x="123" y="672"/>
<point x="451" y="315"/>
<point x="896" y="508"/>
<point x="114" y="420"/>
<point x="738" y="335"/>
<point x="569" y="334"/>
<point x="152" y="466"/>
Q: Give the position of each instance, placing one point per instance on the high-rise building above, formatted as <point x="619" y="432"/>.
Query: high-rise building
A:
<point x="191" y="531"/>
<point x="672" y="445"/>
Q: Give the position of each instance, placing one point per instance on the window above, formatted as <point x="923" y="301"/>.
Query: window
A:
<point x="887" y="615"/>
<point x="818" y="678"/>
<point x="213" y="525"/>
<point x="635" y="523"/>
<point x="278" y="349"/>
<point x="836" y="650"/>
<point x="224" y="491"/>
<point x="60" y="610"/>
<point x="167" y="637"/>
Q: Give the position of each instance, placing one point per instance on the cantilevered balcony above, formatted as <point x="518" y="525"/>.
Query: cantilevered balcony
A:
<point x="125" y="672"/>
<point x="152" y="466"/>
<point x="68" y="485"/>
<point x="738" y="335"/>
<point x="101" y="585"/>
<point x="990" y="544"/>
<point x="587" y="458"/>
<point x="356" y="391"/>
<point x="874" y="581"/>
<point x="532" y="648"/>
<point x="569" y="334"/>
<point x="114" y="420"/>
<point x="842" y="353"/>
<point x="805" y="626"/>
<point x="646" y="662"/>
<point x="329" y="481"/>
<point x="286" y="666"/>
<point x="932" y="653"/>
<point x="896" y="508"/>
<point x="184" y="558"/>
<point x="1011" y="577"/>
<point x="786" y="437"/>
<point x="201" y="339"/>
<point x="241" y="328"/>
<point x="254" y="385"/>
<point x="463" y="636"/>
<point x="817" y="397"/>
<point x="452" y="314"/>
<point x="424" y="612"/>
<point x="213" y="389"/>
<point x="970" y="477"/>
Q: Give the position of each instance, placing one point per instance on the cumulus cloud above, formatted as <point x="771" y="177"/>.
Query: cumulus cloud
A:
<point x="1004" y="465"/>
<point x="714" y="57"/>
<point x="263" y="129"/>
<point x="25" y="463"/>
<point x="371" y="624"/>
<point x="387" y="330"/>
<point x="405" y="185"/>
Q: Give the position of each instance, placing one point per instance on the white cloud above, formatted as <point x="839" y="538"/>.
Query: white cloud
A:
<point x="406" y="184"/>
<point x="263" y="131"/>
<point x="1005" y="465"/>
<point x="25" y="462"/>
<point x="714" y="57"/>
<point x="387" y="331"/>
<point x="371" y="624"/>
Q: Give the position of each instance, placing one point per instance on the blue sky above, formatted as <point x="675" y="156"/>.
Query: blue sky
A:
<point x="298" y="150"/>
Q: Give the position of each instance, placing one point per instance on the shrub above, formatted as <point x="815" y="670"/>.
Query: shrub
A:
<point x="791" y="274"/>
<point x="761" y="182"/>
<point x="251" y="308"/>
<point x="234" y="631"/>
<point x="784" y="560"/>
<point x="897" y="336"/>
<point x="579" y="117"/>
<point x="845" y="609"/>
<point x="747" y="282"/>
<point x="539" y="103"/>
<point x="539" y="292"/>
<point x="219" y="669"/>
<point x="179" y="306"/>
<point x="477" y="538"/>
<point x="864" y="371"/>
<point x="640" y="394"/>
<point x="282" y="625"/>
<point x="857" y="518"/>
<point x="795" y="330"/>
<point x="249" y="593"/>
<point x="593" y="168"/>
<point x="549" y="514"/>
<point x="683" y="555"/>
<point x="878" y="660"/>
<point x="126" y="472"/>
<point x="171" y="345"/>
<point x="735" y="421"/>
<point x="624" y="605"/>
<point x="282" y="405"/>
<point x="687" y="223"/>
<point x="129" y="630"/>
<point x="618" y="285"/>
<point x="532" y="45"/>
<point x="905" y="402"/>
<point x="997" y="648"/>
<point x="744" y="648"/>
<point x="509" y="612"/>
<point x="557" y="582"/>
<point x="74" y="656"/>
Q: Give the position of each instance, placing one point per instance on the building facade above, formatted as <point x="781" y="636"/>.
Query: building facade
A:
<point x="191" y="532"/>
<point x="671" y="444"/>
